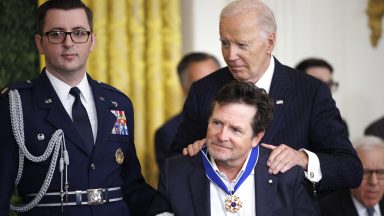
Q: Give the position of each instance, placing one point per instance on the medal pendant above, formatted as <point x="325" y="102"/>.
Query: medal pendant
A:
<point x="233" y="204"/>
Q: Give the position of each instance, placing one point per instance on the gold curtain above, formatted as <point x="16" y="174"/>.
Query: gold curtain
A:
<point x="138" y="45"/>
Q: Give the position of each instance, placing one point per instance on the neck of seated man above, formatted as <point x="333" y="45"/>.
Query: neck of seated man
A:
<point x="231" y="168"/>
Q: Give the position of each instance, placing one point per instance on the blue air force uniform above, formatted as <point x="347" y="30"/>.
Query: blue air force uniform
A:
<point x="111" y="169"/>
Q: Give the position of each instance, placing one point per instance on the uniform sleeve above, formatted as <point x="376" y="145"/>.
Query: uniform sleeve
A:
<point x="8" y="157"/>
<point x="137" y="193"/>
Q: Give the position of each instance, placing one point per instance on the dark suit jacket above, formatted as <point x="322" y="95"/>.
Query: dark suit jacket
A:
<point x="376" y="128"/>
<point x="186" y="186"/>
<point x="164" y="137"/>
<point x="340" y="203"/>
<point x="44" y="114"/>
<point x="305" y="116"/>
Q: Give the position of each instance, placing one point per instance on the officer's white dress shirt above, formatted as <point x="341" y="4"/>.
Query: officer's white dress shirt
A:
<point x="62" y="90"/>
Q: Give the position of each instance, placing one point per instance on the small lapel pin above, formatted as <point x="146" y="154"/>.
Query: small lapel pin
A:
<point x="114" y="103"/>
<point x="47" y="101"/>
<point x="28" y="81"/>
<point x="40" y="136"/>
<point x="270" y="181"/>
<point x="279" y="101"/>
<point x="102" y="99"/>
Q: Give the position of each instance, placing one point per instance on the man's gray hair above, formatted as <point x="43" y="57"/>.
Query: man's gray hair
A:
<point x="368" y="143"/>
<point x="264" y="15"/>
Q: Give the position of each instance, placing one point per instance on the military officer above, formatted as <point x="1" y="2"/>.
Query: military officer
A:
<point x="66" y="140"/>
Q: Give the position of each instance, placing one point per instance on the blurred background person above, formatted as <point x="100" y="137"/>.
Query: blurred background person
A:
<point x="366" y="200"/>
<point x="376" y="128"/>
<point x="322" y="70"/>
<point x="192" y="67"/>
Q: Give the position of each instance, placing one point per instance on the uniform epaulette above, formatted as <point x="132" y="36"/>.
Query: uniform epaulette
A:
<point x="111" y="88"/>
<point x="17" y="85"/>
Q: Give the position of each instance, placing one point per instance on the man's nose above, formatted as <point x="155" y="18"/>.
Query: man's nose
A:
<point x="374" y="179"/>
<point x="223" y="134"/>
<point x="68" y="40"/>
<point x="232" y="53"/>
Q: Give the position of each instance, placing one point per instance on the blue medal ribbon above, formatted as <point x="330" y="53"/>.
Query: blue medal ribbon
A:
<point x="215" y="178"/>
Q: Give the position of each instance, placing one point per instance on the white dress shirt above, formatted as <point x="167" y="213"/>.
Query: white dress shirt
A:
<point x="62" y="90"/>
<point x="218" y="196"/>
<point x="362" y="210"/>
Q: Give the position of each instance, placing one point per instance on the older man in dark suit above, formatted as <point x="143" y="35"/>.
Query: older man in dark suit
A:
<point x="306" y="119"/>
<point x="367" y="199"/>
<point x="230" y="174"/>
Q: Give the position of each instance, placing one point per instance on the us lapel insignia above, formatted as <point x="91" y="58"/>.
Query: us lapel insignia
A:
<point x="114" y="103"/>
<point x="47" y="101"/>
<point x="279" y="101"/>
<point x="120" y="126"/>
<point x="119" y="156"/>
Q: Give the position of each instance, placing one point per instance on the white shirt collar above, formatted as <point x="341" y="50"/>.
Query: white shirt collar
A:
<point x="362" y="210"/>
<point x="266" y="80"/>
<point x="62" y="89"/>
<point x="221" y="174"/>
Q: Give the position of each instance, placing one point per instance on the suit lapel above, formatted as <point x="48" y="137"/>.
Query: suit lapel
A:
<point x="280" y="93"/>
<point x="381" y="205"/>
<point x="199" y="188"/>
<point x="47" y="98"/>
<point x="348" y="208"/>
<point x="265" y="186"/>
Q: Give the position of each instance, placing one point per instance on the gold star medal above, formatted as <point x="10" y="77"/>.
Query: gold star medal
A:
<point x="119" y="156"/>
<point x="233" y="203"/>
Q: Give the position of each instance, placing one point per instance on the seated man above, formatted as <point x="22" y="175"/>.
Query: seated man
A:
<point x="367" y="198"/>
<point x="218" y="180"/>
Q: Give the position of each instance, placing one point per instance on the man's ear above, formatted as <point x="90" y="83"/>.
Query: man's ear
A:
<point x="39" y="42"/>
<point x="256" y="139"/>
<point x="271" y="42"/>
<point x="93" y="41"/>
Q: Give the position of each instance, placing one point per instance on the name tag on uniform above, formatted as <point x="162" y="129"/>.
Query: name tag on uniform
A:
<point x="120" y="126"/>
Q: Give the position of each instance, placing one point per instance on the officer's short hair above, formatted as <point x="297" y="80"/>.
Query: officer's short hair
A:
<point x="60" y="4"/>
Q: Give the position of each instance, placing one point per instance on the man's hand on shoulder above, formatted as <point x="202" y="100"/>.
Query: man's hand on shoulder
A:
<point x="193" y="149"/>
<point x="283" y="158"/>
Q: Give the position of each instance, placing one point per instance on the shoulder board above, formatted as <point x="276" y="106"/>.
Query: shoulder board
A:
<point x="111" y="88"/>
<point x="17" y="85"/>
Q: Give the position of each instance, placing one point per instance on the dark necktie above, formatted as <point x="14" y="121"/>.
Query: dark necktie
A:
<point x="370" y="211"/>
<point x="81" y="120"/>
